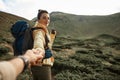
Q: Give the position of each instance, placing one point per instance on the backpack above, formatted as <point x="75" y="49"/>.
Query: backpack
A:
<point x="19" y="30"/>
<point x="22" y="33"/>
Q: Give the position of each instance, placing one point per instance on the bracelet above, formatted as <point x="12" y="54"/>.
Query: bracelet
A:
<point x="26" y="62"/>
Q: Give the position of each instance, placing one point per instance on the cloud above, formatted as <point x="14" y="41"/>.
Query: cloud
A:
<point x="29" y="8"/>
<point x="2" y="5"/>
<point x="21" y="8"/>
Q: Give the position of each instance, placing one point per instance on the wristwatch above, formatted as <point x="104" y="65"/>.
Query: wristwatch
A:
<point x="26" y="62"/>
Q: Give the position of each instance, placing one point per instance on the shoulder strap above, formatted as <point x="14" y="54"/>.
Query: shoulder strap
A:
<point x="35" y="28"/>
<point x="46" y="41"/>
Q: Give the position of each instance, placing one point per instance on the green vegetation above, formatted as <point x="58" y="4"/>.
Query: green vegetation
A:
<point x="77" y="55"/>
<point x="98" y="62"/>
<point x="3" y="50"/>
<point x="79" y="26"/>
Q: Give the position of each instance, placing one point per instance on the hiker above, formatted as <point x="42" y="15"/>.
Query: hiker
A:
<point x="9" y="70"/>
<point x="43" y="40"/>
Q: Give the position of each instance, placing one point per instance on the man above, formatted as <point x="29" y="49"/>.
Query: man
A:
<point x="9" y="70"/>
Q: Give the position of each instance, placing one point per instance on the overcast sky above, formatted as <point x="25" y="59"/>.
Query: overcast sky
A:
<point x="29" y="8"/>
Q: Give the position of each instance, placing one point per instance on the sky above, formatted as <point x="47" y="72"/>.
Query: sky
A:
<point x="29" y="8"/>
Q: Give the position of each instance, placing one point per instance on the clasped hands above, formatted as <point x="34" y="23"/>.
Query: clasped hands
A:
<point x="34" y="56"/>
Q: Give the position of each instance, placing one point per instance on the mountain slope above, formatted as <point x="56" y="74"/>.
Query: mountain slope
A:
<point x="70" y="25"/>
<point x="78" y="26"/>
<point x="6" y="21"/>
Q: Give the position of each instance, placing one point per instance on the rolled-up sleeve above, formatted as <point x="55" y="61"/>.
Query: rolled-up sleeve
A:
<point x="39" y="40"/>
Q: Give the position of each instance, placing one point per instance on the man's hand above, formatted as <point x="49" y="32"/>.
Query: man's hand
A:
<point x="34" y="56"/>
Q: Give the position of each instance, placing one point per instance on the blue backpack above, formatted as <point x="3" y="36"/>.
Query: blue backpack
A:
<point x="19" y="30"/>
<point x="22" y="33"/>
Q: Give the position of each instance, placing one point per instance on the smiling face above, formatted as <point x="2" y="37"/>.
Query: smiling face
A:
<point x="44" y="19"/>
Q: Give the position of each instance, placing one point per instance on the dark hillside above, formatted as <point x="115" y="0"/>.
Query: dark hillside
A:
<point x="90" y="59"/>
<point x="6" y="20"/>
<point x="80" y="26"/>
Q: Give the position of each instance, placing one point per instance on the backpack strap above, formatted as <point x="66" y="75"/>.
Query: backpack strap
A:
<point x="35" y="28"/>
<point x="46" y="38"/>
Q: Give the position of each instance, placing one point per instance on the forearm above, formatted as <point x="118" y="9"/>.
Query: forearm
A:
<point x="52" y="37"/>
<point x="18" y="65"/>
<point x="7" y="71"/>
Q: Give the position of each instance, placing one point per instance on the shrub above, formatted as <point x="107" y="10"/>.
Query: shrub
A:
<point x="4" y="50"/>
